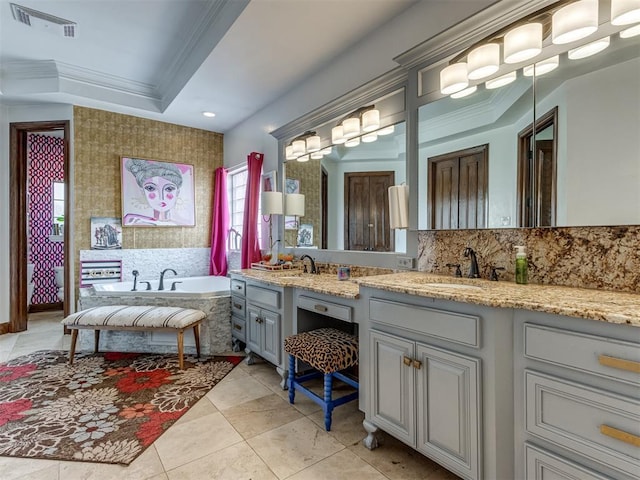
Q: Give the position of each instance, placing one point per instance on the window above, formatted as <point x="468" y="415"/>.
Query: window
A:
<point x="57" y="199"/>
<point x="236" y="191"/>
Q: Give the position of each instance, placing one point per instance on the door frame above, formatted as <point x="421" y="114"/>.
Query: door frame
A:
<point x="18" y="311"/>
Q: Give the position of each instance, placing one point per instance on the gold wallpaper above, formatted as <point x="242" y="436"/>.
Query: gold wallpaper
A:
<point x="101" y="138"/>
<point x="309" y="175"/>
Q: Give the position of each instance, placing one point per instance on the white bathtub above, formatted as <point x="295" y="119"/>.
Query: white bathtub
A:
<point x="200" y="287"/>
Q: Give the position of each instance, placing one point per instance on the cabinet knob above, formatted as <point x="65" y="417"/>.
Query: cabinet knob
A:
<point x="320" y="308"/>
<point x="417" y="364"/>
<point x="407" y="361"/>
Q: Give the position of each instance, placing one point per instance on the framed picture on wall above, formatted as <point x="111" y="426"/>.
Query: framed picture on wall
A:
<point x="269" y="181"/>
<point x="305" y="235"/>
<point x="106" y="233"/>
<point x="157" y="194"/>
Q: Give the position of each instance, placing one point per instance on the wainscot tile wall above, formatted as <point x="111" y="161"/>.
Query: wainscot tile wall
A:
<point x="604" y="258"/>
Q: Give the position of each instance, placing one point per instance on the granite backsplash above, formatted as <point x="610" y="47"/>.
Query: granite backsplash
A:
<point x="604" y="258"/>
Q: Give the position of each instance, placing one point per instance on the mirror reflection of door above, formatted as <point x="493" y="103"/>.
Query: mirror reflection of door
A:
<point x="366" y="215"/>
<point x="537" y="180"/>
<point x="458" y="188"/>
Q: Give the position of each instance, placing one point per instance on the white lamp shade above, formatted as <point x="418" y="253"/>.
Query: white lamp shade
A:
<point x="454" y="78"/>
<point x="294" y="204"/>
<point x="399" y="206"/>
<point x="303" y="158"/>
<point x="316" y="155"/>
<point x="630" y="32"/>
<point x="386" y="130"/>
<point x="371" y="120"/>
<point x="542" y="67"/>
<point x="464" y="93"/>
<point x="313" y="143"/>
<point x="352" y="142"/>
<point x="522" y="43"/>
<point x="369" y="137"/>
<point x="483" y="61"/>
<point x="351" y="127"/>
<point x="574" y="21"/>
<point x="589" y="49"/>
<point x="337" y="135"/>
<point x="271" y="203"/>
<point x="326" y="151"/>
<point x="501" y="81"/>
<point x="299" y="147"/>
<point x="288" y="153"/>
<point x="625" y="12"/>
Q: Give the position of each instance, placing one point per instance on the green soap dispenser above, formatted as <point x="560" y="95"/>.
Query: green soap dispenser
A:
<point x="522" y="265"/>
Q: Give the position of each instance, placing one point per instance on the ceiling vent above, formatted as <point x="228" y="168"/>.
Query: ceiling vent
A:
<point x="44" y="21"/>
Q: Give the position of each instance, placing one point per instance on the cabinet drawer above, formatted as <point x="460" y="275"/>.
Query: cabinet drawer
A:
<point x="325" y="308"/>
<point x="237" y="306"/>
<point x="451" y="326"/>
<point x="543" y="465"/>
<point x="592" y="422"/>
<point x="605" y="357"/>
<point x="237" y="287"/>
<point x="238" y="328"/>
<point x="264" y="296"/>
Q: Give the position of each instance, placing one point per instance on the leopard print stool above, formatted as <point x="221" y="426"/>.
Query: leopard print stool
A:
<point x="328" y="351"/>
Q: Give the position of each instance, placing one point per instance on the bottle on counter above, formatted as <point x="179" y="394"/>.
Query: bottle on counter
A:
<point x="522" y="265"/>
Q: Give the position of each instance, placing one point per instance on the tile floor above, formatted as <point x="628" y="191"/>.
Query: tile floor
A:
<point x="244" y="428"/>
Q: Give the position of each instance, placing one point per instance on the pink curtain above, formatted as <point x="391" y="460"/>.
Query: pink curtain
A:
<point x="250" y="245"/>
<point x="220" y="225"/>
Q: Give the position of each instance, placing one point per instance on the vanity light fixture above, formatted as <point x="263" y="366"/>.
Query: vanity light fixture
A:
<point x="370" y="120"/>
<point x="316" y="155"/>
<point x="303" y="158"/>
<point x="303" y="145"/>
<point x="501" y="81"/>
<point x="337" y="135"/>
<point x="483" y="61"/>
<point x="574" y="21"/>
<point x="351" y="127"/>
<point x="630" y="32"/>
<point x="542" y="67"/>
<point x="625" y="12"/>
<point x="369" y="137"/>
<point x="454" y="78"/>
<point x="386" y="130"/>
<point x="326" y="151"/>
<point x="352" y="142"/>
<point x="589" y="49"/>
<point x="363" y="120"/>
<point x="464" y="93"/>
<point x="523" y="43"/>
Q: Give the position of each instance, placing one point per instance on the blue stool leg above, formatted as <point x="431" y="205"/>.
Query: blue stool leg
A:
<point x="328" y="403"/>
<point x="292" y="373"/>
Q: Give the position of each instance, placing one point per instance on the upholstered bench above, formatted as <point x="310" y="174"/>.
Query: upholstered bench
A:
<point x="135" y="318"/>
<point x="328" y="351"/>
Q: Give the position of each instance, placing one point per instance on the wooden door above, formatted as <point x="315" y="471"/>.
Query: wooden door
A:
<point x="366" y="212"/>
<point x="458" y="188"/>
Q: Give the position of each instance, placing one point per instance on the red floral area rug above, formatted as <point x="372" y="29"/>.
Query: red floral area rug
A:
<point x="107" y="407"/>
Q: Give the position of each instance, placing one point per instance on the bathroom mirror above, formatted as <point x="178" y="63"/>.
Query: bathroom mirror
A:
<point x="346" y="199"/>
<point x="471" y="144"/>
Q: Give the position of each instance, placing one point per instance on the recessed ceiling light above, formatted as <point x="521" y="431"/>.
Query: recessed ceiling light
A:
<point x="209" y="114"/>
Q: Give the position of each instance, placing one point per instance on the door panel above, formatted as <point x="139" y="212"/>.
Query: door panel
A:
<point x="253" y="329"/>
<point x="271" y="327"/>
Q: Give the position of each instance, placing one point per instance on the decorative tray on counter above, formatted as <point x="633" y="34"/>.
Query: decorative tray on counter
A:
<point x="273" y="268"/>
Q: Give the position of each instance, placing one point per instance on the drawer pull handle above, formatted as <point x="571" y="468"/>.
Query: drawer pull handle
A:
<point x="237" y="327"/>
<point x="621" y="435"/>
<point x="238" y="287"/>
<point x="320" y="308"/>
<point x="407" y="361"/>
<point x="417" y="364"/>
<point x="238" y="306"/>
<point x="619" y="363"/>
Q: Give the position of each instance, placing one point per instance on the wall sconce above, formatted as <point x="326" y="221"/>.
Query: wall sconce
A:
<point x="271" y="204"/>
<point x="294" y="206"/>
<point x="399" y="206"/>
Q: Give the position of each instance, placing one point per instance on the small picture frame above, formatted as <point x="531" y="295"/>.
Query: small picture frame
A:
<point x="106" y="233"/>
<point x="305" y="235"/>
<point x="269" y="181"/>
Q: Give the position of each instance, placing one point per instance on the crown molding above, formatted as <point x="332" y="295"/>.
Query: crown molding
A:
<point x="464" y="34"/>
<point x="380" y="86"/>
<point x="213" y="24"/>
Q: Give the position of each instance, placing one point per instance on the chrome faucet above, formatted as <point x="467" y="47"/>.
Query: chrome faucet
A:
<point x="474" y="271"/>
<point x="313" y="264"/>
<point x="161" y="284"/>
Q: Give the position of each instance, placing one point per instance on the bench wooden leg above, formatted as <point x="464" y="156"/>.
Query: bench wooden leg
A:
<point x="72" y="348"/>
<point x="181" y="349"/>
<point x="196" y="335"/>
<point x="97" y="341"/>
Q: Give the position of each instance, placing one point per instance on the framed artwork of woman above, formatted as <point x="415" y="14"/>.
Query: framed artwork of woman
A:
<point x="157" y="194"/>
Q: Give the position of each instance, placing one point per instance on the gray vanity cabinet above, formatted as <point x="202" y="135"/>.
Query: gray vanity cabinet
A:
<point x="263" y="334"/>
<point x="429" y="398"/>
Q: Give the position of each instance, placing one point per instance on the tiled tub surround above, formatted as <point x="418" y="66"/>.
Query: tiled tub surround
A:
<point x="215" y="330"/>
<point x="603" y="258"/>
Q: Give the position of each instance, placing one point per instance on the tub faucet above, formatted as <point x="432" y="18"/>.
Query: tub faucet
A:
<point x="313" y="264"/>
<point x="161" y="284"/>
<point x="474" y="271"/>
<point x="135" y="274"/>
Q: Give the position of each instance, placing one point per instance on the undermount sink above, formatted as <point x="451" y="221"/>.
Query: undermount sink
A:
<point x="455" y="286"/>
